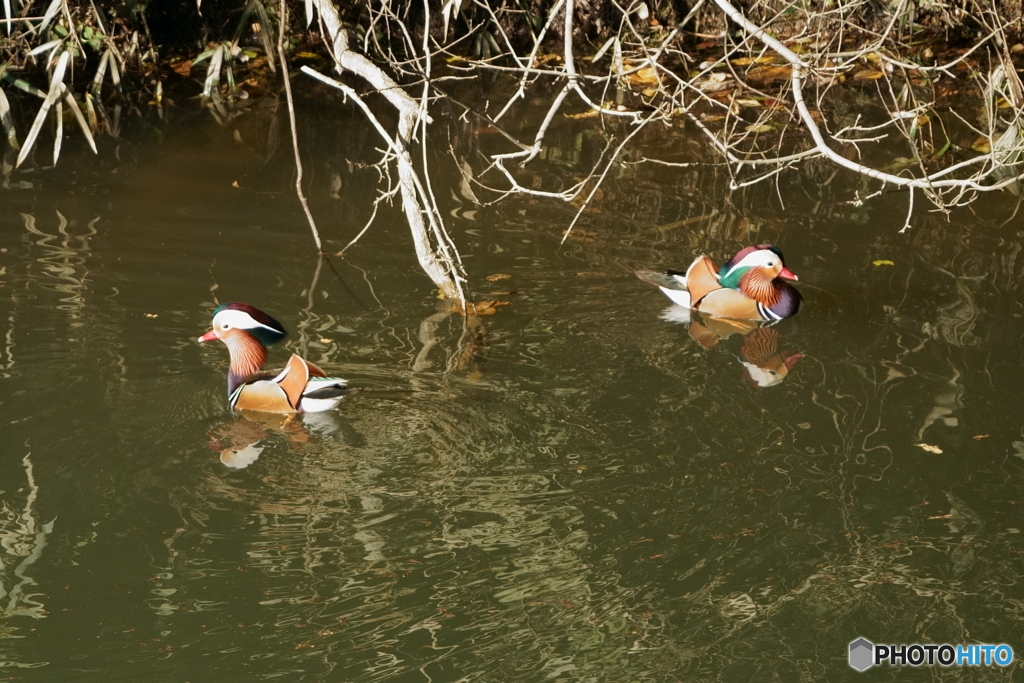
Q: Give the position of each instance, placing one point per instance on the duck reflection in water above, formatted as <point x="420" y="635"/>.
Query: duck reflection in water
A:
<point x="241" y="441"/>
<point x="764" y="364"/>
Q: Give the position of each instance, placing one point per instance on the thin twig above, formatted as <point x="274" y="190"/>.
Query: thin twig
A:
<point x="282" y="22"/>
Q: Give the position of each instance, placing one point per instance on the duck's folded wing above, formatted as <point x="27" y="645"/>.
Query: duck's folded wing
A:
<point x="665" y="279"/>
<point x="701" y="279"/>
<point x="293" y="380"/>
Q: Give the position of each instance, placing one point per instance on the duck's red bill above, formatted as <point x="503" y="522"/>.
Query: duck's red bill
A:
<point x="788" y="274"/>
<point x="209" y="336"/>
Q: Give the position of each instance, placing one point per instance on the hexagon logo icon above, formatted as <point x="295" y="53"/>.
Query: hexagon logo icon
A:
<point x="862" y="654"/>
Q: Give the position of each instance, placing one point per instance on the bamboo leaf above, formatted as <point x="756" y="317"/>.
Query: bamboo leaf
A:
<point x="101" y="70"/>
<point x="77" y="111"/>
<point x="115" y="74"/>
<point x="268" y="45"/>
<point x="25" y="86"/>
<point x="99" y="17"/>
<point x="44" y="108"/>
<point x="246" y="13"/>
<point x="8" y="121"/>
<point x="45" y="47"/>
<point x="7" y="15"/>
<point x="604" y="48"/>
<point x="90" y="112"/>
<point x="309" y="12"/>
<point x="213" y="72"/>
<point x="58" y="139"/>
<point x="203" y="56"/>
<point x="48" y="16"/>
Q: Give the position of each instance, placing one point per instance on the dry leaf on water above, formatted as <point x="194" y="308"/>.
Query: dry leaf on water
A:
<point x="928" y="447"/>
<point x="485" y="307"/>
<point x="497" y="276"/>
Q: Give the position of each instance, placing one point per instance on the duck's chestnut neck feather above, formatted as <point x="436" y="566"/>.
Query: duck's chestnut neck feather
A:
<point x="247" y="357"/>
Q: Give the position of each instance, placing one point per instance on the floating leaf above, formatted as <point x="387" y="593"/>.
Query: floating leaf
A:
<point x="497" y="276"/>
<point x="929" y="447"/>
<point x="883" y="262"/>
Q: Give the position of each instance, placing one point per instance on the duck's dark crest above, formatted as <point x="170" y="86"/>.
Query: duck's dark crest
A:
<point x="749" y="250"/>
<point x="264" y="335"/>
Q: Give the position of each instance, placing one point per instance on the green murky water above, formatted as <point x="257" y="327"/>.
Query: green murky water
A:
<point x="577" y="491"/>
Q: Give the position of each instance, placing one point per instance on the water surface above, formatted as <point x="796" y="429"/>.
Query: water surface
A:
<point x="577" y="490"/>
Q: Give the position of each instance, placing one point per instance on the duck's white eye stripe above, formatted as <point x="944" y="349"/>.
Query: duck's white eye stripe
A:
<point x="239" y="319"/>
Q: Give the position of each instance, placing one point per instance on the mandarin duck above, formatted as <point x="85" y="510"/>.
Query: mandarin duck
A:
<point x="301" y="387"/>
<point x="749" y="286"/>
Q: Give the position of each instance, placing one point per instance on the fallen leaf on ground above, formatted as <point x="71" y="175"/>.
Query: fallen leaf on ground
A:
<point x="645" y="76"/>
<point x="767" y="74"/>
<point x="982" y="144"/>
<point x="588" y="114"/>
<point x="868" y="75"/>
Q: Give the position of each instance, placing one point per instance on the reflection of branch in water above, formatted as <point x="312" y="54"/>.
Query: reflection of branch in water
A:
<point x="472" y="341"/>
<point x="21" y="536"/>
<point x="64" y="260"/>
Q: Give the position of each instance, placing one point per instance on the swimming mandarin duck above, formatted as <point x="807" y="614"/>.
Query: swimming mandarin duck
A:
<point x="301" y="387"/>
<point x="750" y="286"/>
